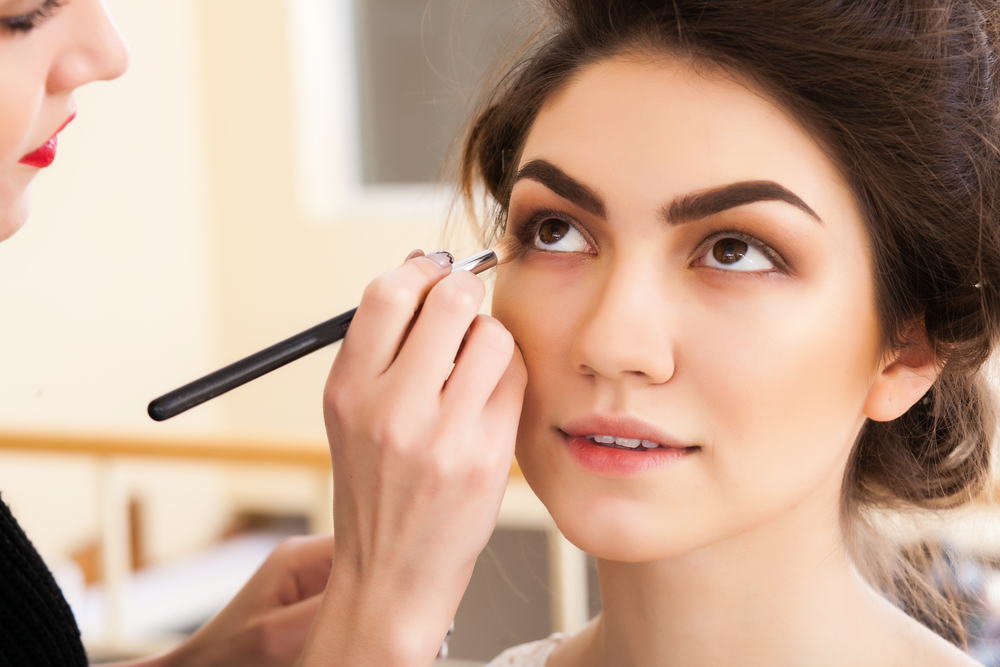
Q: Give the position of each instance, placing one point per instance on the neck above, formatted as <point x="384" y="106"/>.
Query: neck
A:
<point x="778" y="595"/>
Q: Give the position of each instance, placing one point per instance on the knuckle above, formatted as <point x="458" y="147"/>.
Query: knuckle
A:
<point x="495" y="335"/>
<point x="288" y="548"/>
<point x="391" y="436"/>
<point x="456" y="297"/>
<point x="471" y="282"/>
<point x="388" y="292"/>
<point x="488" y="478"/>
<point x="337" y="402"/>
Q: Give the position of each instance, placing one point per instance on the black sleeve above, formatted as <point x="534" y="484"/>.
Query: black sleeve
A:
<point x="37" y="627"/>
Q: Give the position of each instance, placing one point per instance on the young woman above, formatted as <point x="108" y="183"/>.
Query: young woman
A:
<point x="48" y="48"/>
<point x="756" y="279"/>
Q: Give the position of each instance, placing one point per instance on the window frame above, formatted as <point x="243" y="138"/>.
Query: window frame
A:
<point x="326" y="102"/>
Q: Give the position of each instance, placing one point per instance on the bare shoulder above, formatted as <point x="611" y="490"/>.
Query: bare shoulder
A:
<point x="933" y="651"/>
<point x="918" y="646"/>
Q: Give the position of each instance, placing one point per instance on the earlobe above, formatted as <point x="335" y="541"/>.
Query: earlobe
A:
<point x="904" y="379"/>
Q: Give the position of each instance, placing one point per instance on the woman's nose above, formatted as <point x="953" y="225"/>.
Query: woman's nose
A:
<point x="94" y="49"/>
<point x="628" y="334"/>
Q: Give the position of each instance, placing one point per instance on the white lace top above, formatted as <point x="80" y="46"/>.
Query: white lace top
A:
<point x="533" y="654"/>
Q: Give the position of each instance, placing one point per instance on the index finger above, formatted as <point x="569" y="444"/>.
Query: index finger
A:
<point x="387" y="307"/>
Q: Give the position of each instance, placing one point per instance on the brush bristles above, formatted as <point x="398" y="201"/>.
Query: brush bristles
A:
<point x="505" y="249"/>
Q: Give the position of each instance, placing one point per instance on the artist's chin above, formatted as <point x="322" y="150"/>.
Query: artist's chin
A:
<point x="13" y="212"/>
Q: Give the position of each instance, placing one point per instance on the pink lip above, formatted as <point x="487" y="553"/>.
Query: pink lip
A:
<point x="611" y="462"/>
<point x="45" y="154"/>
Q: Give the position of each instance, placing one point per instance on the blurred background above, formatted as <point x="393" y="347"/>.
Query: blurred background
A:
<point x="260" y="162"/>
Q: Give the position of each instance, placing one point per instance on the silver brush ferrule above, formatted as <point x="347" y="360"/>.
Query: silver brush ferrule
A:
<point x="477" y="263"/>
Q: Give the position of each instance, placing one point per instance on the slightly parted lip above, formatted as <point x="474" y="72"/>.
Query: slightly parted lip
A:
<point x="623" y="426"/>
<point x="62" y="127"/>
<point x="69" y="119"/>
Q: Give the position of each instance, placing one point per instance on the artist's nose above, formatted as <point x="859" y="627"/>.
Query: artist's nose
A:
<point x="94" y="49"/>
<point x="628" y="333"/>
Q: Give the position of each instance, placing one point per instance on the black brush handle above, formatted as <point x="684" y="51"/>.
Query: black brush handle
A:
<point x="276" y="356"/>
<point x="244" y="370"/>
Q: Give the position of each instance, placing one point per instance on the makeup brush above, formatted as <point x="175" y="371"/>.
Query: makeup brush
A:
<point x="323" y="334"/>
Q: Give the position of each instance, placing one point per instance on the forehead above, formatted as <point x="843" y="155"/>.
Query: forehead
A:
<point x="664" y="127"/>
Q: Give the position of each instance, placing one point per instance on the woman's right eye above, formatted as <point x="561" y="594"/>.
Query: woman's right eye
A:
<point x="27" y="22"/>
<point x="556" y="235"/>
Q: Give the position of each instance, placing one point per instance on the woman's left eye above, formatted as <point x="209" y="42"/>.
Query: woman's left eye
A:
<point x="557" y="235"/>
<point x="733" y="254"/>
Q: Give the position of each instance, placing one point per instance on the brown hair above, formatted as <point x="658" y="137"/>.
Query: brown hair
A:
<point x="903" y="94"/>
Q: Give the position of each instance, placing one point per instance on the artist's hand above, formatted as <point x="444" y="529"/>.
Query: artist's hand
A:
<point x="421" y="457"/>
<point x="267" y="623"/>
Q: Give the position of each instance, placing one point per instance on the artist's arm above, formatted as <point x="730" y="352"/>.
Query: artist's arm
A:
<point x="267" y="623"/>
<point x="421" y="456"/>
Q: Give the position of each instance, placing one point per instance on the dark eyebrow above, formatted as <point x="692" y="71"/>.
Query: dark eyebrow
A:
<point x="703" y="204"/>
<point x="686" y="208"/>
<point x="562" y="184"/>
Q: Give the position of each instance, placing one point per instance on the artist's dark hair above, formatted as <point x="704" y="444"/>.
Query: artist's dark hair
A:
<point x="904" y="96"/>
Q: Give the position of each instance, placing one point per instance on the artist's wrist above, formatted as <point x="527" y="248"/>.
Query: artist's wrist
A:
<point x="365" y="621"/>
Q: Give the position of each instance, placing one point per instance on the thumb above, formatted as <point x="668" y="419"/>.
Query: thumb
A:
<point x="288" y="629"/>
<point x="311" y="563"/>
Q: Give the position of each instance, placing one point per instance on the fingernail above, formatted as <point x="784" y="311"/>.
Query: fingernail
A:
<point x="442" y="258"/>
<point x="415" y="253"/>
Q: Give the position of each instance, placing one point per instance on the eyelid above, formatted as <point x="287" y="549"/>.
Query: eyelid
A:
<point x="772" y="255"/>
<point x="525" y="232"/>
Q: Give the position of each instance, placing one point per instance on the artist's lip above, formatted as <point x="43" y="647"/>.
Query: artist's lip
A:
<point x="624" y="426"/>
<point x="45" y="154"/>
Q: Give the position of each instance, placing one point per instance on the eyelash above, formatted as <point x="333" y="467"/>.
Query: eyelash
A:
<point x="752" y="241"/>
<point x="525" y="234"/>
<point x="28" y="22"/>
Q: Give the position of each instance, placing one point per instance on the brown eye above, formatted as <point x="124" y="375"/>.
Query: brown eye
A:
<point x="552" y="231"/>
<point x="553" y="234"/>
<point x="729" y="251"/>
<point x="733" y="254"/>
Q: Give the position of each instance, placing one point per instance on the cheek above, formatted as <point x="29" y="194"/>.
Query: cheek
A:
<point x="23" y="91"/>
<point x="539" y="308"/>
<point x="788" y="393"/>
<point x="539" y="314"/>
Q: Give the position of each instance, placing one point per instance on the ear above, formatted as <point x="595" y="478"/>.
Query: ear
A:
<point x="904" y="378"/>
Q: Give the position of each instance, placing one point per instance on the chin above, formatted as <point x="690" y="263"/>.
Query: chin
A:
<point x="627" y="541"/>
<point x="625" y="529"/>
<point x="13" y="214"/>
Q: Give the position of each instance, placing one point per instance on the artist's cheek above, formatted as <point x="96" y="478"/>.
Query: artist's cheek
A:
<point x="18" y="108"/>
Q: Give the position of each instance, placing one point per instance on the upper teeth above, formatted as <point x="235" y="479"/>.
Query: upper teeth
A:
<point x="631" y="443"/>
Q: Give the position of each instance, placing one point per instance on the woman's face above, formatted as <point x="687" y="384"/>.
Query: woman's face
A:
<point x="696" y="275"/>
<point x="47" y="49"/>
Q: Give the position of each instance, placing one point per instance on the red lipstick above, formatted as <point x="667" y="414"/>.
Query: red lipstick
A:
<point x="45" y="154"/>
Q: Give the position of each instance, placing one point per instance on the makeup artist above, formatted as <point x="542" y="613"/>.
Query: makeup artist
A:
<point x="48" y="48"/>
